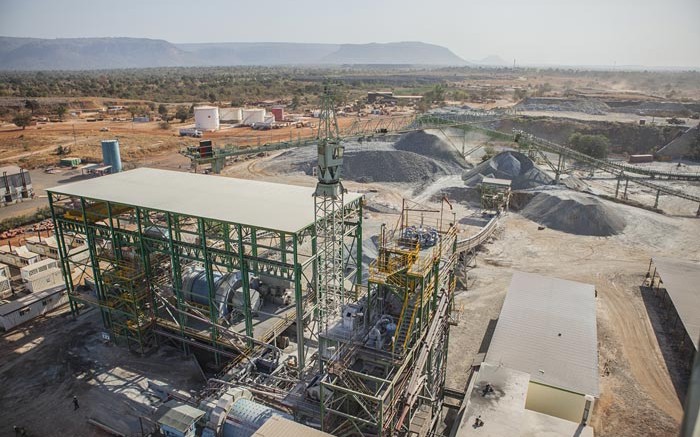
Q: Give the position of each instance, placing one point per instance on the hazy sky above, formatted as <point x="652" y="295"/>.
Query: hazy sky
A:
<point x="572" y="32"/>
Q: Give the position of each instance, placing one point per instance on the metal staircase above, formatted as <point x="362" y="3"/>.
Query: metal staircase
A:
<point x="408" y="316"/>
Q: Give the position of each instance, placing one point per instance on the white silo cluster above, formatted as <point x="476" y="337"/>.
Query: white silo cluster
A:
<point x="230" y="115"/>
<point x="206" y="118"/>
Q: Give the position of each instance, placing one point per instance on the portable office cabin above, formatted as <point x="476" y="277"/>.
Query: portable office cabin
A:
<point x="28" y="307"/>
<point x="18" y="256"/>
<point x="5" y="286"/>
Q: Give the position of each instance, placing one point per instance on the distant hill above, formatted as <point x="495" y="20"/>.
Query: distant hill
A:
<point x="394" y="53"/>
<point x="493" y="60"/>
<point x="107" y="53"/>
<point x="90" y="54"/>
<point x="259" y="53"/>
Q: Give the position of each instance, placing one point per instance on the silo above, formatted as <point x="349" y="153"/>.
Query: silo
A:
<point x="230" y="115"/>
<point x="254" y="115"/>
<point x="206" y="118"/>
<point x="111" y="155"/>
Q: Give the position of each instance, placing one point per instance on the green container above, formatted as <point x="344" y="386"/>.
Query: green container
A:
<point x="70" y="162"/>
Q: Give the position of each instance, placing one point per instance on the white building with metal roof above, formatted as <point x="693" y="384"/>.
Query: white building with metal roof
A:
<point x="268" y="205"/>
<point x="495" y="407"/>
<point x="33" y="305"/>
<point x="547" y="329"/>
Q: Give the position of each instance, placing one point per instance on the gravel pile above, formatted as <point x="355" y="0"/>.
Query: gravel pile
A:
<point x="391" y="166"/>
<point x="417" y="157"/>
<point x="464" y="195"/>
<point x="508" y="165"/>
<point x="594" y="107"/>
<point x="432" y="146"/>
<point x="575" y="213"/>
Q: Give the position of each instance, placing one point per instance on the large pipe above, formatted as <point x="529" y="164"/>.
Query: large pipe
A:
<point x="234" y="333"/>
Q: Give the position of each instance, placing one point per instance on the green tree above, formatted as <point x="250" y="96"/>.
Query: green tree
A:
<point x="61" y="111"/>
<point x="182" y="113"/>
<point x="22" y="120"/>
<point x="212" y="97"/>
<point x="32" y="105"/>
<point x="519" y="94"/>
<point x="595" y="146"/>
<point x="163" y="111"/>
<point x="489" y="152"/>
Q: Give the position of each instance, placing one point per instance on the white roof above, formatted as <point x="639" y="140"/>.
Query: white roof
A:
<point x="205" y="107"/>
<point x="281" y="207"/>
<point x="680" y="279"/>
<point x="29" y="299"/>
<point x="503" y="411"/>
<point x="496" y="181"/>
<point x="20" y="251"/>
<point x="502" y="416"/>
<point x="547" y="328"/>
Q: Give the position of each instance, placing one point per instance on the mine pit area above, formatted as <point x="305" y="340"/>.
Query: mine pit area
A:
<point x="580" y="229"/>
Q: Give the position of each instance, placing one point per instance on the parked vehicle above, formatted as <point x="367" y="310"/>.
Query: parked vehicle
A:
<point x="191" y="133"/>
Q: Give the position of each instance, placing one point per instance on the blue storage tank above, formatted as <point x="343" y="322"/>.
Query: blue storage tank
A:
<point x="111" y="156"/>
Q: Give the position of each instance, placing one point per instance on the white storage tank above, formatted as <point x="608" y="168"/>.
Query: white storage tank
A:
<point x="206" y="118"/>
<point x="254" y="115"/>
<point x="230" y="115"/>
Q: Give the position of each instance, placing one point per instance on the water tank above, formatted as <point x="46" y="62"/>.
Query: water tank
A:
<point x="254" y="115"/>
<point x="111" y="156"/>
<point x="206" y="118"/>
<point x="230" y="114"/>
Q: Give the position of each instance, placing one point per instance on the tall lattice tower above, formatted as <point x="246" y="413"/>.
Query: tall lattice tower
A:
<point x="329" y="215"/>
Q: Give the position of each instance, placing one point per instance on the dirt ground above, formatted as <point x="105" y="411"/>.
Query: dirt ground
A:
<point x="637" y="380"/>
<point x="35" y="146"/>
<point x="51" y="359"/>
<point x="637" y="391"/>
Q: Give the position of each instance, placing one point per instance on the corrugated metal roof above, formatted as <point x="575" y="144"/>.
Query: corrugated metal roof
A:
<point x="547" y="328"/>
<point x="280" y="207"/>
<point x="10" y="169"/>
<point x="178" y="416"/>
<point x="30" y="299"/>
<point x="681" y="279"/>
<point x="502" y="414"/>
<point x="277" y="426"/>
<point x="496" y="181"/>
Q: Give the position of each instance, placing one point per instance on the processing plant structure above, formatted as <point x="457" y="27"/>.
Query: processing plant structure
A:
<point x="267" y="280"/>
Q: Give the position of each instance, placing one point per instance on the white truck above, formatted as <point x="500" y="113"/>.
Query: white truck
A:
<point x="191" y="133"/>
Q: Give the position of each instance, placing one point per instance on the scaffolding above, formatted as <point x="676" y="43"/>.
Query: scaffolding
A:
<point x="139" y="254"/>
<point x="376" y="387"/>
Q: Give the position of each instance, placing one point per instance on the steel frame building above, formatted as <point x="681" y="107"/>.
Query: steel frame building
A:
<point x="145" y="227"/>
<point x="396" y="387"/>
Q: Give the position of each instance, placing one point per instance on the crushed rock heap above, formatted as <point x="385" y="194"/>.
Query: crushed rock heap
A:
<point x="575" y="213"/>
<point x="508" y="165"/>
